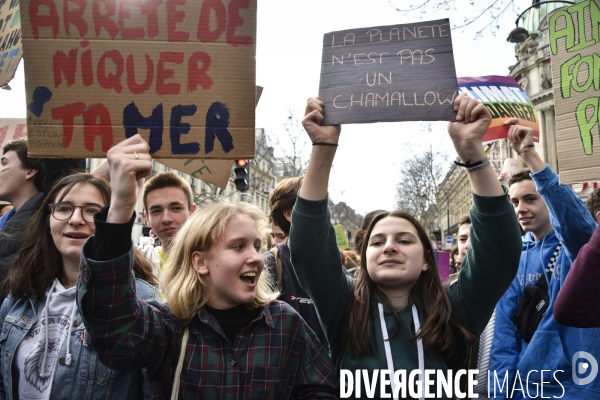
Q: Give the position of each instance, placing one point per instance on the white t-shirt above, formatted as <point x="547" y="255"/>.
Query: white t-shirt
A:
<point x="28" y="361"/>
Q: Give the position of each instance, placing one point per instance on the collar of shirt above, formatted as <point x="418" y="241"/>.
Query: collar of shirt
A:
<point x="264" y="315"/>
<point x="4" y="219"/>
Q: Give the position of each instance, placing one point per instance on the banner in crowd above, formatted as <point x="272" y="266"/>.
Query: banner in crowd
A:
<point x="505" y="99"/>
<point x="10" y="39"/>
<point x="442" y="258"/>
<point x="389" y="73"/>
<point x="12" y="129"/>
<point x="182" y="74"/>
<point x="575" y="58"/>
<point x="340" y="237"/>
<point x="585" y="187"/>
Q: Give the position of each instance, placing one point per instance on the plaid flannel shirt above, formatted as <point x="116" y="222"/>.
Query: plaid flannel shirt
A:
<point x="276" y="357"/>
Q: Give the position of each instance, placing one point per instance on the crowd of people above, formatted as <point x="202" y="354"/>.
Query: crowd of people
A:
<point x="215" y="313"/>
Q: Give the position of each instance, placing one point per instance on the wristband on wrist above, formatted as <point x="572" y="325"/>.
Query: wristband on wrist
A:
<point x="469" y="164"/>
<point x="525" y="146"/>
<point x="325" y="144"/>
<point x="484" y="164"/>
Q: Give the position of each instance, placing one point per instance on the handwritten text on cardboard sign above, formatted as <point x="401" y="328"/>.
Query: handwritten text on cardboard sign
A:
<point x="389" y="73"/>
<point x="180" y="73"/>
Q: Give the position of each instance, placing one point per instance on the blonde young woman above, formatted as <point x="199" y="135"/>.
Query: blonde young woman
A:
<point x="396" y="315"/>
<point x="221" y="335"/>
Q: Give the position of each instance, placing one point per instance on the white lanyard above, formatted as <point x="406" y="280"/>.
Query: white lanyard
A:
<point x="388" y="349"/>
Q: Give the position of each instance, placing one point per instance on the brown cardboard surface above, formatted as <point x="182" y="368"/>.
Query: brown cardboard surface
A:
<point x="259" y="90"/>
<point x="182" y="74"/>
<point x="10" y="40"/>
<point x="389" y="73"/>
<point x="12" y="129"/>
<point x="216" y="172"/>
<point x="574" y="58"/>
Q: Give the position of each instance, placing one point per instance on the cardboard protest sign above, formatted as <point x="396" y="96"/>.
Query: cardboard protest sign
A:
<point x="505" y="99"/>
<point x="12" y="129"/>
<point x="575" y="58"/>
<point x="216" y="172"/>
<point x="10" y="39"/>
<point x="257" y="94"/>
<point x="182" y="74"/>
<point x="340" y="237"/>
<point x="389" y="73"/>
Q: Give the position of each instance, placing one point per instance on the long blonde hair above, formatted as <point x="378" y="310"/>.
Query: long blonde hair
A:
<point x="183" y="286"/>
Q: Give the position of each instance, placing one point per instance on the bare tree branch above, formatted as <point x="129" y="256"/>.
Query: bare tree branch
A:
<point x="421" y="177"/>
<point x="489" y="15"/>
<point x="293" y="145"/>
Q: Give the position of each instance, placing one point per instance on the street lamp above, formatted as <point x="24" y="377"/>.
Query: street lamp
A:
<point x="519" y="35"/>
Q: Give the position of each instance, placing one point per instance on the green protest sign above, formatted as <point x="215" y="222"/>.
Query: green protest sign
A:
<point x="340" y="237"/>
<point x="575" y="56"/>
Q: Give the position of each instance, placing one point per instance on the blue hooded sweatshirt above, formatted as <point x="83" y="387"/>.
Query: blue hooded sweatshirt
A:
<point x="550" y="357"/>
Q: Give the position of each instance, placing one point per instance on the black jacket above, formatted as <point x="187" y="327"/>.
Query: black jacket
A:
<point x="291" y="290"/>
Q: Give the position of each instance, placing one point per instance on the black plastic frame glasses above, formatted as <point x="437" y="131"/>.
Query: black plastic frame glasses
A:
<point x="63" y="211"/>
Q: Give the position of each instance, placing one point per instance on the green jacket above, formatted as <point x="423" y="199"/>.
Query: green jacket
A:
<point x="487" y="272"/>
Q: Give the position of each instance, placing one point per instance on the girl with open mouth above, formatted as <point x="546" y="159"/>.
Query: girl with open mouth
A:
<point x="220" y="334"/>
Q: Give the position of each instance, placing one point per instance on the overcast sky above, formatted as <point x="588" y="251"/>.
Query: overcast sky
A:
<point x="289" y="45"/>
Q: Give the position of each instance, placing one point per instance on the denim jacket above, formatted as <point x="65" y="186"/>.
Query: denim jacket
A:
<point x="86" y="378"/>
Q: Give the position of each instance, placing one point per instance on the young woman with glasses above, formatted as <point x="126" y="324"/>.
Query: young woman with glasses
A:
<point x="44" y="342"/>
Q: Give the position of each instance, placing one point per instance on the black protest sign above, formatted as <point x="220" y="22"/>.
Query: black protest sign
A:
<point x="389" y="73"/>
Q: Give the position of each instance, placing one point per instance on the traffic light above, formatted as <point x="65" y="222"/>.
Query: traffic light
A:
<point x="242" y="175"/>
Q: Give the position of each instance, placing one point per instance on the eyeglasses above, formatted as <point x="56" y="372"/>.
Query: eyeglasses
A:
<point x="63" y="211"/>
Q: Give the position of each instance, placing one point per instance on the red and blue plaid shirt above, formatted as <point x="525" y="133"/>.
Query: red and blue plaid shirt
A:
<point x="275" y="357"/>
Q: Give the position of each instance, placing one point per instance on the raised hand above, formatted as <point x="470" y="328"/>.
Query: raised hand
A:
<point x="472" y="120"/>
<point x="518" y="135"/>
<point x="316" y="180"/>
<point x="520" y="139"/>
<point x="313" y="117"/>
<point x="128" y="162"/>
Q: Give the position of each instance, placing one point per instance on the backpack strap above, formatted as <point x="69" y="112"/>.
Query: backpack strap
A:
<point x="177" y="379"/>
